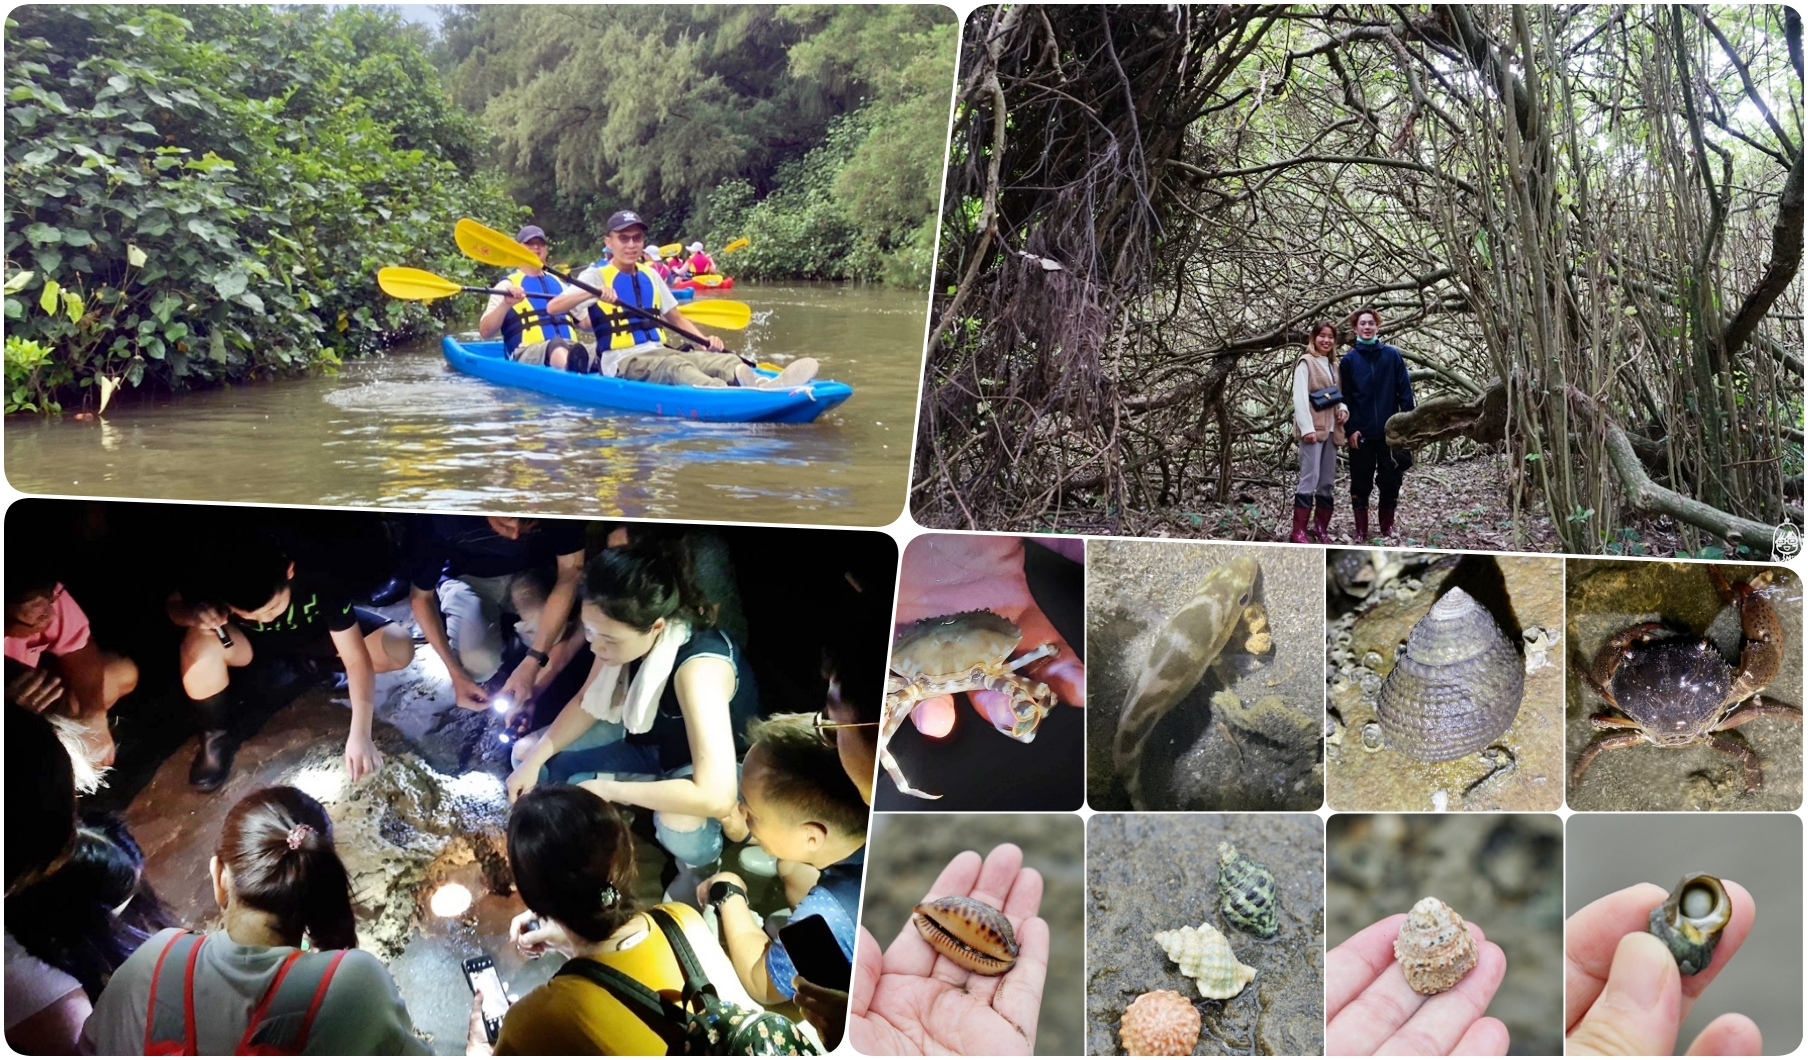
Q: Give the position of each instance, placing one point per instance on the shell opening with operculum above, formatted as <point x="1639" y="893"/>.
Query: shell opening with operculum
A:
<point x="1455" y="687"/>
<point x="1691" y="919"/>
<point x="1204" y="956"/>
<point x="1160" y="1023"/>
<point x="1434" y="947"/>
<point x="1246" y="892"/>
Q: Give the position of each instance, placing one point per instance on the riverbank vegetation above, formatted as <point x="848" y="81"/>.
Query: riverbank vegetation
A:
<point x="199" y="194"/>
<point x="1583" y="225"/>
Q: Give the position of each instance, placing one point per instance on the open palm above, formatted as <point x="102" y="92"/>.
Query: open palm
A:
<point x="912" y="1000"/>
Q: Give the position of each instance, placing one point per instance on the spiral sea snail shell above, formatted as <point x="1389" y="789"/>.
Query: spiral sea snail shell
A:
<point x="1434" y="947"/>
<point x="968" y="932"/>
<point x="1456" y="685"/>
<point x="1204" y="956"/>
<point x="1246" y="892"/>
<point x="1691" y="919"/>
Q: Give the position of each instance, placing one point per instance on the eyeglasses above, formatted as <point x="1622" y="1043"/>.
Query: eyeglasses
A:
<point x="630" y="236"/>
<point x="825" y="729"/>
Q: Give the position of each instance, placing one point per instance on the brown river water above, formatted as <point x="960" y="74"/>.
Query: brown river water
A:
<point x="405" y="430"/>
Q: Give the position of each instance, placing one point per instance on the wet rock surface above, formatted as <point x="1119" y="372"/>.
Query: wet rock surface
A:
<point x="1260" y="751"/>
<point x="1157" y="872"/>
<point x="1522" y="769"/>
<point x="1607" y="596"/>
<point x="906" y="852"/>
<point x="1502" y="872"/>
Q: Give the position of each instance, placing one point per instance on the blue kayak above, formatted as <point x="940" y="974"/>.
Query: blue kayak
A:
<point x="685" y="295"/>
<point x="730" y="404"/>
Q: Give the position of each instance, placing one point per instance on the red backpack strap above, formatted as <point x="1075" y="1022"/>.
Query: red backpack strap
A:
<point x="285" y="1015"/>
<point x="169" y="1042"/>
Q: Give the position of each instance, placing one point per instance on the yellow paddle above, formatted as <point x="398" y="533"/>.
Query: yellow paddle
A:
<point x="418" y="285"/>
<point x="734" y="246"/>
<point x="490" y="246"/>
<point x="669" y="249"/>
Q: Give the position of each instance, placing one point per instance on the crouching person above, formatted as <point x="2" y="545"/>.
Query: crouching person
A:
<point x="798" y="802"/>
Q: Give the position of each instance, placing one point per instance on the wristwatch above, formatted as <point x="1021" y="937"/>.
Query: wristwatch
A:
<point x="537" y="655"/>
<point x="721" y="891"/>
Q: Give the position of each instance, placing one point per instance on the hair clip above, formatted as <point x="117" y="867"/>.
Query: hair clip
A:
<point x="610" y="896"/>
<point x="299" y="835"/>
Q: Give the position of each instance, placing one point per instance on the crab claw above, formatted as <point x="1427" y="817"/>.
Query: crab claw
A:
<point x="897" y="777"/>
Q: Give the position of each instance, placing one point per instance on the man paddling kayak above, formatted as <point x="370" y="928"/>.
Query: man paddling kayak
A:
<point x="630" y="347"/>
<point x="531" y="332"/>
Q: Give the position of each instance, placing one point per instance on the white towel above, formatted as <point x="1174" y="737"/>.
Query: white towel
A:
<point x="635" y="707"/>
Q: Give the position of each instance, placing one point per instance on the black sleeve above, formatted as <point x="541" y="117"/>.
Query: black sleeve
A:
<point x="427" y="558"/>
<point x="561" y="537"/>
<point x="1403" y="399"/>
<point x="337" y="609"/>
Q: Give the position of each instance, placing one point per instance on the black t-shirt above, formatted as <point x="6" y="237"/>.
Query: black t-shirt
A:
<point x="465" y="544"/>
<point x="668" y="732"/>
<point x="316" y="611"/>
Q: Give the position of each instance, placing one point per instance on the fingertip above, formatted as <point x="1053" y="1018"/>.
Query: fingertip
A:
<point x="1731" y="1034"/>
<point x="934" y="716"/>
<point x="1485" y="1037"/>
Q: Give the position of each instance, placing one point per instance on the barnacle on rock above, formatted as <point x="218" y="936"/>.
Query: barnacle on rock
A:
<point x="1691" y="919"/>
<point x="1204" y="956"/>
<point x="1160" y="1023"/>
<point x="1434" y="947"/>
<point x="1246" y="892"/>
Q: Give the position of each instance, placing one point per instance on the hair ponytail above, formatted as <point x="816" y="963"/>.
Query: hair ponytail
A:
<point x="651" y="579"/>
<point x="278" y="844"/>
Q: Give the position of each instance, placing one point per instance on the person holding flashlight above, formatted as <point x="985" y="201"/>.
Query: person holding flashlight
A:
<point x="469" y="571"/>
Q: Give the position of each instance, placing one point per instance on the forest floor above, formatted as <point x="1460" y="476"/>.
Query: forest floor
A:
<point x="1459" y="504"/>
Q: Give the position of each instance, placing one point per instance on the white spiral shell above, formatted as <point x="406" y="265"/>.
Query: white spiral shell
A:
<point x="1204" y="956"/>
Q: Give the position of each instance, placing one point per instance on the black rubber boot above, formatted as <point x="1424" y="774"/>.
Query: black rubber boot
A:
<point x="213" y="760"/>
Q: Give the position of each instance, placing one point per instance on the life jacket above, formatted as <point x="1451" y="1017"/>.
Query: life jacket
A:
<point x="528" y="321"/>
<point x="700" y="264"/>
<point x="635" y="288"/>
<point x="280" y="1023"/>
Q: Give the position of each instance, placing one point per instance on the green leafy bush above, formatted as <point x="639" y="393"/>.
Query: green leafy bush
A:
<point x="215" y="188"/>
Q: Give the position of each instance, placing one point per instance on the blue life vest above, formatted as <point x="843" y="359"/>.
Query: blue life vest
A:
<point x="636" y="289"/>
<point x="528" y="322"/>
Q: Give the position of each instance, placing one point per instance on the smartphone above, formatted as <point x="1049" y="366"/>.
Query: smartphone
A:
<point x="815" y="953"/>
<point x="481" y="973"/>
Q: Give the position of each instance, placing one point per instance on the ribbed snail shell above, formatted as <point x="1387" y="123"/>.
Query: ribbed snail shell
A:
<point x="1455" y="687"/>
<point x="1691" y="919"/>
<point x="1204" y="956"/>
<point x="1246" y="892"/>
<point x="1160" y="1023"/>
<point x="968" y="932"/>
<point x="1434" y="947"/>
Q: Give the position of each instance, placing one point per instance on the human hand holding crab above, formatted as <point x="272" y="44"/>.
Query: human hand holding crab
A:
<point x="965" y="609"/>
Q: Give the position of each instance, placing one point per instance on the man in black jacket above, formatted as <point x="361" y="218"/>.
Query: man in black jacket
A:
<point x="1375" y="386"/>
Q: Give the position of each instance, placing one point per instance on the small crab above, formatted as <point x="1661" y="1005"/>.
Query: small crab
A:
<point x="1673" y="690"/>
<point x="967" y="652"/>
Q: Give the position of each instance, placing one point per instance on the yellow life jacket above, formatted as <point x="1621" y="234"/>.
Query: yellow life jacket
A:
<point x="528" y="321"/>
<point x="636" y="288"/>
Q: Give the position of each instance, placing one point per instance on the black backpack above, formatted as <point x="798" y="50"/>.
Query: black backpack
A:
<point x="701" y="1023"/>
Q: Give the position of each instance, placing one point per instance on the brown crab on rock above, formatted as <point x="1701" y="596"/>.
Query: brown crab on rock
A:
<point x="1673" y="689"/>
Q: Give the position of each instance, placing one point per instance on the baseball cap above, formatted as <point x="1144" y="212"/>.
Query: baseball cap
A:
<point x="531" y="232"/>
<point x="621" y="219"/>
